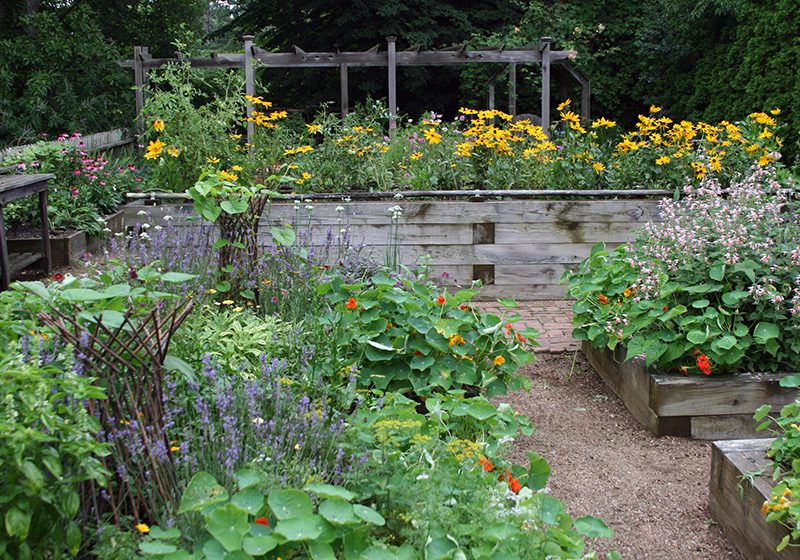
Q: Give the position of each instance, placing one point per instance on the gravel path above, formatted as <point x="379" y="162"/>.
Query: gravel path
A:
<point x="652" y="491"/>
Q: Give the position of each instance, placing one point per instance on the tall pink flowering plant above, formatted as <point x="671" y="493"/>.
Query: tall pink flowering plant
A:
<point x="713" y="287"/>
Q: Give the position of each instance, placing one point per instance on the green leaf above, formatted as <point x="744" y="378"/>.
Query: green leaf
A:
<point x="321" y="551"/>
<point x="246" y="478"/>
<point x="220" y="243"/>
<point x="538" y="472"/>
<point x="727" y="342"/>
<point x="508" y="302"/>
<point x="177" y="277"/>
<point x="697" y="337"/>
<point x="212" y="550"/>
<point x="173" y="363"/>
<point x="421" y="363"/>
<point x="593" y="528"/>
<point x="157" y="548"/>
<point x="700" y="303"/>
<point x="380" y="346"/>
<point x="284" y="236"/>
<point x="613" y="555"/>
<point x="734" y="297"/>
<point x="328" y="491"/>
<point x="53" y="464"/>
<point x="717" y="272"/>
<point x="301" y="528"/>
<point x="765" y="331"/>
<point x="290" y="503"/>
<point x="33" y="474"/>
<point x="761" y="412"/>
<point x="250" y="500"/>
<point x="234" y="206"/>
<point x="790" y="381"/>
<point x="78" y="295"/>
<point x="481" y="410"/>
<point x="36" y="288"/>
<point x="202" y="491"/>
<point x="73" y="538"/>
<point x="228" y="524"/>
<point x="369" y="515"/>
<point x="258" y="546"/>
<point x="161" y="534"/>
<point x="18" y="523"/>
<point x="338" y="512"/>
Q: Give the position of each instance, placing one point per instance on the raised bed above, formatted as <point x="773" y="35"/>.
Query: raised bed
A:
<point x="67" y="248"/>
<point x="735" y="503"/>
<point x="517" y="248"/>
<point x="710" y="408"/>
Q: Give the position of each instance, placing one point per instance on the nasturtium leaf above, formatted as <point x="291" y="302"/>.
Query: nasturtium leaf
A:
<point x="246" y="478"/>
<point x="202" y="491"/>
<point x="338" y="512"/>
<point x="481" y="410"/>
<point x="538" y="471"/>
<point x="551" y="510"/>
<point x="700" y="303"/>
<point x="157" y="548"/>
<point x="726" y="342"/>
<point x="762" y="411"/>
<point x="329" y="491"/>
<point x="765" y="331"/>
<point x="717" y="272"/>
<point x="593" y="528"/>
<point x="258" y="546"/>
<point x="377" y="553"/>
<point x="161" y="534"/>
<point x="790" y="381"/>
<point x="369" y="515"/>
<point x="234" y="206"/>
<point x="697" y="336"/>
<point x="212" y="550"/>
<point x="508" y="302"/>
<point x="250" y="500"/>
<point x="321" y="551"/>
<point x="422" y="363"/>
<point x="228" y="524"/>
<point x="289" y="503"/>
<point x="301" y="528"/>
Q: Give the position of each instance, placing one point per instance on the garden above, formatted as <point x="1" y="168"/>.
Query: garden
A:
<point x="291" y="334"/>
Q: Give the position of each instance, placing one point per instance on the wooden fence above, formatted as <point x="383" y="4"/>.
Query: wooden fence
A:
<point x="517" y="248"/>
<point x="108" y="140"/>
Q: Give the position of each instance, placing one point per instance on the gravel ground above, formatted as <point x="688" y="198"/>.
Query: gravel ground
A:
<point x="652" y="491"/>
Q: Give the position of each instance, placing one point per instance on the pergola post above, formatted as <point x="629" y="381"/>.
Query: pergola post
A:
<point x="491" y="97"/>
<point x="138" y="82"/>
<point x="392" y="64"/>
<point x="249" y="87"/>
<point x="512" y="89"/>
<point x="343" y="89"/>
<point x="545" y="48"/>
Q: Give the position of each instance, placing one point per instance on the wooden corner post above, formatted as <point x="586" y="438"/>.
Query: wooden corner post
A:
<point x="392" y="63"/>
<point x="512" y="89"/>
<point x="249" y="86"/>
<point x="344" y="89"/>
<point x="545" y="47"/>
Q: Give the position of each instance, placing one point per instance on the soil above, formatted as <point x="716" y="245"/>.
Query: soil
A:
<point x="652" y="491"/>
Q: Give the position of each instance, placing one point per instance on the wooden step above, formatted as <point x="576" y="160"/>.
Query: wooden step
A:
<point x="18" y="261"/>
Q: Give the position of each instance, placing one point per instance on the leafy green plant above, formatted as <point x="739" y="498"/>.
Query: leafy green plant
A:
<point x="783" y="506"/>
<point x="282" y="523"/>
<point x="713" y="287"/>
<point x="411" y="336"/>
<point x="48" y="449"/>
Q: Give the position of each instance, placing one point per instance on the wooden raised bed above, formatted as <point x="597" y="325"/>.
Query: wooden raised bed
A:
<point x="736" y="503"/>
<point x="517" y="248"/>
<point x="67" y="248"/>
<point x="716" y="407"/>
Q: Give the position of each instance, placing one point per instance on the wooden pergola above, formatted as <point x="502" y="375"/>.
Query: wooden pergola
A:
<point x="390" y="58"/>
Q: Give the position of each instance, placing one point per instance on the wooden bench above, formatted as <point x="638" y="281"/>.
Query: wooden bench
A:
<point x="14" y="187"/>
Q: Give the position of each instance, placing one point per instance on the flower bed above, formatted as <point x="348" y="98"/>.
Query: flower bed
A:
<point x="710" y="408"/>
<point x="736" y="503"/>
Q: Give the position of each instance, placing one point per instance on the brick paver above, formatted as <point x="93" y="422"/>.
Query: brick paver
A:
<point x="553" y="319"/>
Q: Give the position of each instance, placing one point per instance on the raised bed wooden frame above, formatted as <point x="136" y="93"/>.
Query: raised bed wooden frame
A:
<point x="710" y="408"/>
<point x="517" y="248"/>
<point x="735" y="503"/>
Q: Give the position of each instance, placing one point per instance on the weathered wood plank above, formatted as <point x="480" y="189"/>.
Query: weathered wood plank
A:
<point x="521" y="292"/>
<point x="727" y="426"/>
<point x="673" y="395"/>
<point x="559" y="232"/>
<point x="523" y="273"/>
<point x="414" y="234"/>
<point x="736" y="504"/>
<point x="494" y="211"/>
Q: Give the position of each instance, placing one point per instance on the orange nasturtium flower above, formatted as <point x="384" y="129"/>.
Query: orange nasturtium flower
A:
<point x="351" y="303"/>
<point x="440" y="300"/>
<point x="262" y="521"/>
<point x="499" y="360"/>
<point x="486" y="464"/>
<point x="704" y="364"/>
<point x="602" y="299"/>
<point x="628" y="292"/>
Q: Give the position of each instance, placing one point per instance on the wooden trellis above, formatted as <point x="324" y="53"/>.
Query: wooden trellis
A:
<point x="391" y="58"/>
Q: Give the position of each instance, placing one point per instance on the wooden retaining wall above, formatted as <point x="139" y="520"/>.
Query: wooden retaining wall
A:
<point x="736" y="503"/>
<point x="517" y="248"/>
<point x="716" y="407"/>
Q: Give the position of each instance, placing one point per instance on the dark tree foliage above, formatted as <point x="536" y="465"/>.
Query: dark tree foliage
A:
<point x="359" y="25"/>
